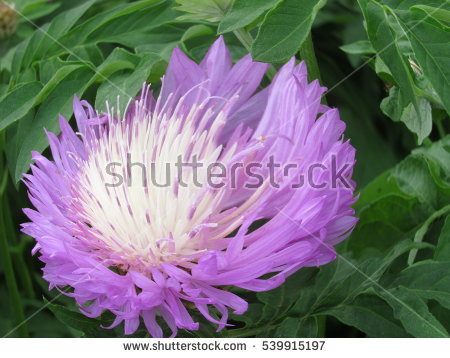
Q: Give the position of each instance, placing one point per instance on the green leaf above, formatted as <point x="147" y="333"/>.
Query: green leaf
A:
<point x="362" y="47"/>
<point x="48" y="35"/>
<point x="383" y="32"/>
<point x="38" y="9"/>
<point x="437" y="12"/>
<point x="430" y="40"/>
<point x="203" y="10"/>
<point x="407" y="4"/>
<point x="404" y="202"/>
<point x="442" y="252"/>
<point x="380" y="187"/>
<point x="124" y="84"/>
<point x="59" y="101"/>
<point x="284" y="29"/>
<point x="197" y="32"/>
<point x="17" y="103"/>
<point x="277" y="301"/>
<point x="427" y="279"/>
<point x="89" y="53"/>
<point x="243" y="13"/>
<point x="119" y="59"/>
<point x="419" y="176"/>
<point x="293" y="327"/>
<point x="56" y="79"/>
<point x="371" y="315"/>
<point x="339" y="282"/>
<point x="413" y="312"/>
<point x="272" y="306"/>
<point x="91" y="327"/>
<point x="161" y="41"/>
<point x="421" y="125"/>
<point x="122" y="24"/>
<point x="384" y="222"/>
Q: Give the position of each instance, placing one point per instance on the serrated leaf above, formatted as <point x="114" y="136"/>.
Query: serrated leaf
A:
<point x="413" y="312"/>
<point x="427" y="279"/>
<point x="370" y="315"/>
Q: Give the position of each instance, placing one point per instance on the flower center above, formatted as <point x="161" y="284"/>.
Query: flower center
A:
<point x="144" y="189"/>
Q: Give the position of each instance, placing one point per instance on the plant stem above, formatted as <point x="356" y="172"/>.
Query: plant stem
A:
<point x="245" y="38"/>
<point x="440" y="129"/>
<point x="321" y="326"/>
<point x="308" y="55"/>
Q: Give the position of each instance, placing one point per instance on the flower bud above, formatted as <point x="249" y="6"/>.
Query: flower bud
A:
<point x="8" y="20"/>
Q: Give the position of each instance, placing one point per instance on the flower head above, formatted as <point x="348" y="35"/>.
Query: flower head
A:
<point x="141" y="248"/>
<point x="8" y="19"/>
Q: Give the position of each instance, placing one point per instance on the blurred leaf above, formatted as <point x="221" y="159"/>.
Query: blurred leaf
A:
<point x="37" y="9"/>
<point x="284" y="29"/>
<point x="420" y="177"/>
<point x="437" y="12"/>
<point x="442" y="252"/>
<point x="358" y="48"/>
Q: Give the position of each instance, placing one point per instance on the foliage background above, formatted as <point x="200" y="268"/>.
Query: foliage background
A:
<point x="387" y="65"/>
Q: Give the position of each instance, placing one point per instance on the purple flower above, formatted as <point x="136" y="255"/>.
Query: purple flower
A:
<point x="145" y="250"/>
